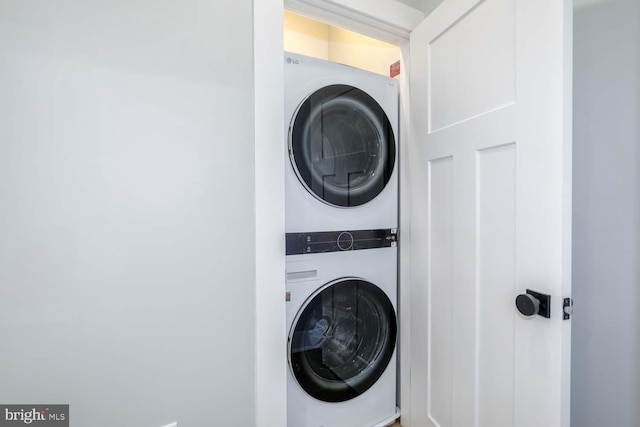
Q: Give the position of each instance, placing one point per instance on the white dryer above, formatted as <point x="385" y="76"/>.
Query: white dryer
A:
<point x="341" y="319"/>
<point x="341" y="149"/>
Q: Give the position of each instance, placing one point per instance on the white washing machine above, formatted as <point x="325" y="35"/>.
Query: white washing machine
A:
<point x="341" y="318"/>
<point x="341" y="152"/>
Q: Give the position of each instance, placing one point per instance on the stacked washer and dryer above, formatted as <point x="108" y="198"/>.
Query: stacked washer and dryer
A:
<point x="341" y="195"/>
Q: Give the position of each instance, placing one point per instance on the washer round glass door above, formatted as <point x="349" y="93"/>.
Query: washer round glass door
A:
<point x="342" y="340"/>
<point x="341" y="146"/>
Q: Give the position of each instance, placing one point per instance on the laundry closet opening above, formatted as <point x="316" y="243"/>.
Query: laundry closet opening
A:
<point x="341" y="221"/>
<point x="308" y="37"/>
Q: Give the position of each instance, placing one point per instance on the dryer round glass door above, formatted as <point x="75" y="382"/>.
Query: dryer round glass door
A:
<point x="342" y="146"/>
<point x="342" y="340"/>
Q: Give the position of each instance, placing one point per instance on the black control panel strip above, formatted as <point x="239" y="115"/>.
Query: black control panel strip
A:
<point x="338" y="241"/>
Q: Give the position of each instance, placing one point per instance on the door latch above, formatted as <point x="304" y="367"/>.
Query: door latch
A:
<point x="567" y="308"/>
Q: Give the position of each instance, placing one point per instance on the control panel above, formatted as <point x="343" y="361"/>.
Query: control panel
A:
<point x="337" y="241"/>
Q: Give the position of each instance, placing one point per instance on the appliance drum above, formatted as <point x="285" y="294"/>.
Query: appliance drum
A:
<point x="341" y="145"/>
<point x="342" y="340"/>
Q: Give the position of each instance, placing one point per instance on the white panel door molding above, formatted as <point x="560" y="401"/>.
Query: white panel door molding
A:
<point x="490" y="215"/>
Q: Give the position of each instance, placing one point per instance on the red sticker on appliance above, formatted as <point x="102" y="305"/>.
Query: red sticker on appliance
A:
<point x="394" y="70"/>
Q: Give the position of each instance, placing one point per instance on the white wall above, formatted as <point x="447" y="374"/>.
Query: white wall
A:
<point x="427" y="6"/>
<point x="127" y="271"/>
<point x="306" y="36"/>
<point x="416" y="4"/>
<point x="606" y="244"/>
<point x="312" y="38"/>
<point x="347" y="47"/>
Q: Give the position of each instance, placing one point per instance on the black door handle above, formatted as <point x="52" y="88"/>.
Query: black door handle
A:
<point x="533" y="303"/>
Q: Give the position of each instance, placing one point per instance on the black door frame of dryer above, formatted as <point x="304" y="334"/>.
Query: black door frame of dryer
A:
<point x="342" y="339"/>
<point x="342" y="145"/>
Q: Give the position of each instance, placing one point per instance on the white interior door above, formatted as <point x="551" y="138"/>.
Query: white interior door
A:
<point x="490" y="213"/>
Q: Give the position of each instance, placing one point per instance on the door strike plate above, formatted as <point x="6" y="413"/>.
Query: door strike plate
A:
<point x="567" y="308"/>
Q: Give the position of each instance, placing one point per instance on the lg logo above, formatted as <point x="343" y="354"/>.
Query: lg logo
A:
<point x="292" y="61"/>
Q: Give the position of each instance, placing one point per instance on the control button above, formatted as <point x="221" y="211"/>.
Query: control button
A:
<point x="345" y="241"/>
